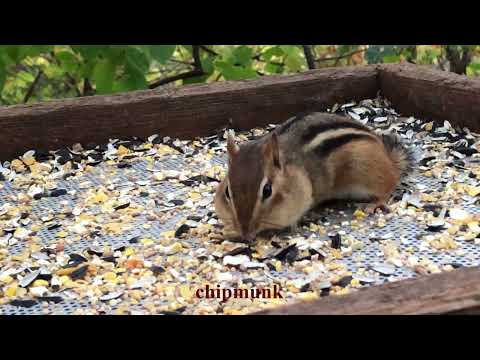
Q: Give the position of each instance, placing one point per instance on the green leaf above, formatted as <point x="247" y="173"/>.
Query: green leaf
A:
<point x="249" y="73"/>
<point x="32" y="50"/>
<point x="103" y="75"/>
<point x="134" y="72"/>
<point x="116" y="53"/>
<point x="293" y="64"/>
<point x="272" y="51"/>
<point x="227" y="54"/>
<point x="68" y="61"/>
<point x="207" y="65"/>
<point x="188" y="48"/>
<point x="3" y="74"/>
<point x="53" y="71"/>
<point x="290" y="50"/>
<point x="232" y="72"/>
<point x="122" y="85"/>
<point x="391" y="59"/>
<point x="373" y="55"/>
<point x="243" y="55"/>
<point x="343" y="49"/>
<point x="161" y="53"/>
<point x="473" y="69"/>
<point x="5" y="60"/>
<point x="86" y="69"/>
<point x="133" y="79"/>
<point x="137" y="59"/>
<point x="294" y="60"/>
<point x="26" y="76"/>
<point x="273" y="68"/>
<point x="12" y="52"/>
<point x="89" y="52"/>
<point x="378" y="53"/>
<point x="19" y="83"/>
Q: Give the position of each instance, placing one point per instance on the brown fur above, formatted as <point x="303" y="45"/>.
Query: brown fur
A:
<point x="365" y="165"/>
<point x="245" y="176"/>
<point x="315" y="158"/>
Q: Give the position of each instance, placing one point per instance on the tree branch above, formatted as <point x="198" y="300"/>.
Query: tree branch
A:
<point x="412" y="58"/>
<point x="87" y="87"/>
<point x="458" y="63"/>
<point x="73" y="83"/>
<point x="309" y="56"/>
<point x="341" y="56"/>
<point x="466" y="59"/>
<point x="31" y="89"/>
<point x="206" y="49"/>
<point x="258" y="57"/>
<point x="181" y="62"/>
<point x="173" y="78"/>
<point x="197" y="70"/>
<point x="70" y="78"/>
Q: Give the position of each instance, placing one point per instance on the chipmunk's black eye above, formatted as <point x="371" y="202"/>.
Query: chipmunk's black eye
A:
<point x="267" y="191"/>
<point x="227" y="194"/>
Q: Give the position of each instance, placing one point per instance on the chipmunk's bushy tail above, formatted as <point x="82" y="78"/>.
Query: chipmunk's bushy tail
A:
<point x="402" y="156"/>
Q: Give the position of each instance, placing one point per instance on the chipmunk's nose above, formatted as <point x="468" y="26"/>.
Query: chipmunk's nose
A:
<point x="250" y="237"/>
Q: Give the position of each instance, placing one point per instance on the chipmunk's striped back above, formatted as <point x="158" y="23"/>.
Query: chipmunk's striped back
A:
<point x="324" y="133"/>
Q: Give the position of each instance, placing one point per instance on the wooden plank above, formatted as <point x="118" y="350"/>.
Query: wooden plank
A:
<point x="432" y="94"/>
<point x="183" y="112"/>
<point x="455" y="292"/>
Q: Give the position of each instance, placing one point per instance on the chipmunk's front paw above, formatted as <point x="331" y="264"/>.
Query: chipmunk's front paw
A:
<point x="373" y="208"/>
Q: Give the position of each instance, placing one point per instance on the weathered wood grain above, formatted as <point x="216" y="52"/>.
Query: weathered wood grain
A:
<point x="456" y="292"/>
<point x="432" y="94"/>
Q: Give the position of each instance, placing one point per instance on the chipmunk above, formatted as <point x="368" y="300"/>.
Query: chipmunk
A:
<point x="273" y="181"/>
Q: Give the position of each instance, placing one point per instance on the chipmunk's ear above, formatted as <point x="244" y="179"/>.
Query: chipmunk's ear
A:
<point x="272" y="151"/>
<point x="232" y="147"/>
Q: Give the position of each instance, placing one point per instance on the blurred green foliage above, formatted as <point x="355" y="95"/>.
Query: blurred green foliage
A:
<point x="30" y="73"/>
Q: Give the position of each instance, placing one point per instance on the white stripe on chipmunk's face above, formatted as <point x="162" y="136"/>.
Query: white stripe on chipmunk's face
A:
<point x="224" y="208"/>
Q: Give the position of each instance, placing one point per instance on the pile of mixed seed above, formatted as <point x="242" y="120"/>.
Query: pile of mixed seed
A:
<point x="129" y="227"/>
